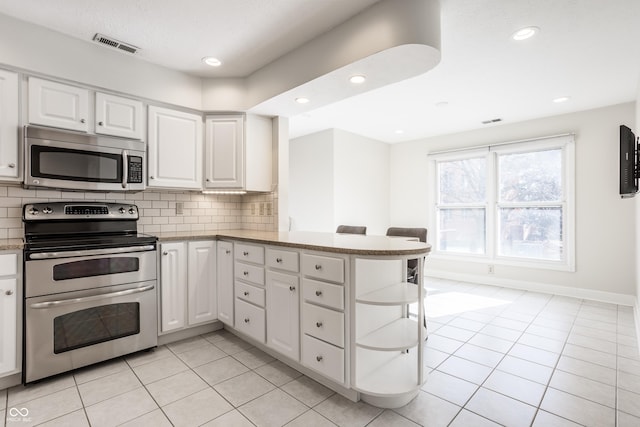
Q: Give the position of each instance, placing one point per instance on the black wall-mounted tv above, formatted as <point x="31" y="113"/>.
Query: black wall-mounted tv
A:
<point x="628" y="163"/>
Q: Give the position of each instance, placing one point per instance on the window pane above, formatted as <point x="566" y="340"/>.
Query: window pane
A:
<point x="531" y="233"/>
<point x="462" y="181"/>
<point x="462" y="230"/>
<point x="531" y="177"/>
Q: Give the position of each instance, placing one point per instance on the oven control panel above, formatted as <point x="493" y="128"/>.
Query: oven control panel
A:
<point x="78" y="210"/>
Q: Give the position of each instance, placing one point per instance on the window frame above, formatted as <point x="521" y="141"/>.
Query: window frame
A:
<point x="492" y="210"/>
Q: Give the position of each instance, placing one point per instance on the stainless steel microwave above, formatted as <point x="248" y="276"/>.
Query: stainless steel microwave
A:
<point x="69" y="160"/>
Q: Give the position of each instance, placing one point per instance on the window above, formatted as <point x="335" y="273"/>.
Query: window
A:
<point x="510" y="203"/>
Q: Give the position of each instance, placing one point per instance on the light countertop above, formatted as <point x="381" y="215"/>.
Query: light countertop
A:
<point x="353" y="244"/>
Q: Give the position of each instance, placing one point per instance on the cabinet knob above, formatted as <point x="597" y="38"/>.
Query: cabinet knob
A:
<point x="246" y="273"/>
<point x="9" y="292"/>
<point x="12" y="165"/>
<point x="83" y="121"/>
<point x="151" y="177"/>
<point x="246" y="320"/>
<point x="318" y="293"/>
<point x="292" y="288"/>
<point x="227" y="252"/>
<point x="318" y="267"/>
<point x="208" y="180"/>
<point x="279" y="260"/>
<point x="165" y="253"/>
<point x="246" y="293"/>
<point x="318" y="324"/>
<point x="245" y="253"/>
<point x="100" y="123"/>
<point x="319" y="358"/>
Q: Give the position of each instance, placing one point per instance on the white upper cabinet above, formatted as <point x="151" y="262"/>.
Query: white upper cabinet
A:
<point x="238" y="152"/>
<point x="58" y="105"/>
<point x="9" y="125"/>
<point x="118" y="116"/>
<point x="175" y="149"/>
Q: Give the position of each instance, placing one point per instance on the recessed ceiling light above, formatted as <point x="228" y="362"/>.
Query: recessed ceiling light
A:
<point x="302" y="100"/>
<point x="442" y="104"/>
<point x="561" y="99"/>
<point x="399" y="131"/>
<point x="525" y="33"/>
<point x="357" y="79"/>
<point x="210" y="60"/>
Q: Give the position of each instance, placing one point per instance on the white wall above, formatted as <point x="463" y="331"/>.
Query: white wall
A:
<point x="337" y="177"/>
<point x="605" y="224"/>
<point x="311" y="182"/>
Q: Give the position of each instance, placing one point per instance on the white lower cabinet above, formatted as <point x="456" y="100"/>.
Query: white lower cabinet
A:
<point x="283" y="314"/>
<point x="250" y="320"/>
<point x="9" y="277"/>
<point x="187" y="284"/>
<point x="224" y="279"/>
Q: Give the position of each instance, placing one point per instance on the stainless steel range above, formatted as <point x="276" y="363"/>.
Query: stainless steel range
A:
<point x="89" y="286"/>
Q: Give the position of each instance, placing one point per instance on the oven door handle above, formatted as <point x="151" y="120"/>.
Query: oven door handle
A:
<point x="49" y="304"/>
<point x="87" y="252"/>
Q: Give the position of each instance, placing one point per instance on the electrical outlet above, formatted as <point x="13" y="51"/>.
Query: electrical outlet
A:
<point x="253" y="208"/>
<point x="490" y="269"/>
<point x="261" y="209"/>
<point x="179" y="208"/>
<point x="269" y="209"/>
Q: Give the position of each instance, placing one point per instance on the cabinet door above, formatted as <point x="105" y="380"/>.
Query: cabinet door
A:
<point x="58" y="105"/>
<point x="118" y="116"/>
<point x="173" y="286"/>
<point x="224" y="276"/>
<point x="9" y="124"/>
<point x="8" y="325"/>
<point x="224" y="148"/>
<point x="175" y="149"/>
<point x="202" y="282"/>
<point x="283" y="308"/>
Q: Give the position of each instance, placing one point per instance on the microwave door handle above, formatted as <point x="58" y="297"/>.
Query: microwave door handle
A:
<point x="125" y="168"/>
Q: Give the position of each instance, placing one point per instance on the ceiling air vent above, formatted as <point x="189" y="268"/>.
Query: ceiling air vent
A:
<point x="113" y="43"/>
<point x="486" y="122"/>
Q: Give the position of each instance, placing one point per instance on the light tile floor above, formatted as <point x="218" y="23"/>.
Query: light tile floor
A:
<point x="495" y="356"/>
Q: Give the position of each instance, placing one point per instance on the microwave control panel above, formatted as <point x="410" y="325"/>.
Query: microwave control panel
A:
<point x="135" y="170"/>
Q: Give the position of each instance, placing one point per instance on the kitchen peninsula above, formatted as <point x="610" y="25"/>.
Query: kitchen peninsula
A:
<point x="333" y="306"/>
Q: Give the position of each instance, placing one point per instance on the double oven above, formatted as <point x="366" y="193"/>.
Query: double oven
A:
<point x="90" y="286"/>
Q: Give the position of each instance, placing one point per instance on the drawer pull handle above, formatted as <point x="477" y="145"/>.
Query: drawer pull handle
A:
<point x="246" y="294"/>
<point x="279" y="260"/>
<point x="318" y="293"/>
<point x="292" y="288"/>
<point x="318" y="324"/>
<point x="319" y="358"/>
<point x="246" y="273"/>
<point x="246" y="320"/>
<point x="318" y="267"/>
<point x="245" y="253"/>
<point x="9" y="292"/>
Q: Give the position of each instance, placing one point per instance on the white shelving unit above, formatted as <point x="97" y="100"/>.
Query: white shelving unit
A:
<point x="387" y="348"/>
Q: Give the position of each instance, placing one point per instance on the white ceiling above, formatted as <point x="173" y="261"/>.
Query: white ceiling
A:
<point x="586" y="49"/>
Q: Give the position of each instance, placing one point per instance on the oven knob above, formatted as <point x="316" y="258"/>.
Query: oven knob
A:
<point x="121" y="210"/>
<point x="47" y="210"/>
<point x="132" y="211"/>
<point x="34" y="211"/>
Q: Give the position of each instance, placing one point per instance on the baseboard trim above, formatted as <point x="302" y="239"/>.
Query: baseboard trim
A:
<point x="589" y="294"/>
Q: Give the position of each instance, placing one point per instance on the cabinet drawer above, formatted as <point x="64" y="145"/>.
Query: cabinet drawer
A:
<point x="324" y="358"/>
<point x="322" y="323"/>
<point x="324" y="268"/>
<point x="323" y="293"/>
<point x="283" y="260"/>
<point x="249" y="253"/>
<point x="250" y="320"/>
<point x="249" y="273"/>
<point x="250" y="293"/>
<point x="8" y="265"/>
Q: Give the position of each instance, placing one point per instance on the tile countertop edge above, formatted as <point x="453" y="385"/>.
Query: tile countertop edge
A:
<point x="11" y="244"/>
<point x="347" y="244"/>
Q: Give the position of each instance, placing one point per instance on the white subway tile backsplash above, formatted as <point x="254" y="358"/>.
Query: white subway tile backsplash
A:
<point x="202" y="212"/>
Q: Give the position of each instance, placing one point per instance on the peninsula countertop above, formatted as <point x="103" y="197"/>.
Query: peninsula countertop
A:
<point x="351" y="244"/>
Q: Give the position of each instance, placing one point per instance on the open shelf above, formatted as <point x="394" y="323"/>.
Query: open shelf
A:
<point x="397" y="377"/>
<point x="398" y="294"/>
<point x="400" y="334"/>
